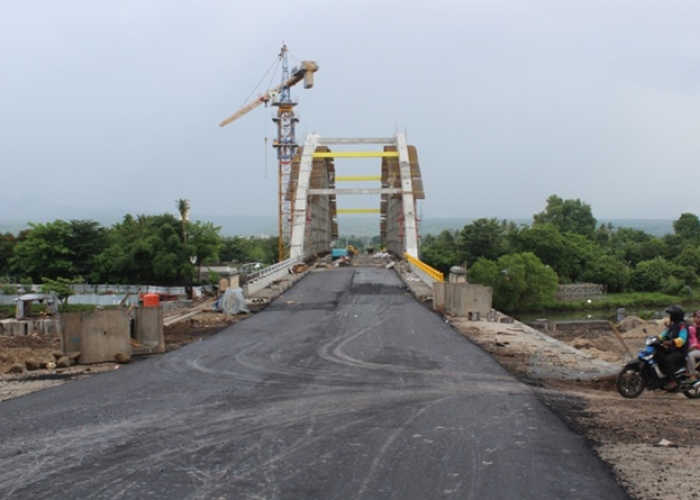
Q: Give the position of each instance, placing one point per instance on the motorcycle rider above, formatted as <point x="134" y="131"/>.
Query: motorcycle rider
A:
<point x="675" y="339"/>
<point x="693" y="347"/>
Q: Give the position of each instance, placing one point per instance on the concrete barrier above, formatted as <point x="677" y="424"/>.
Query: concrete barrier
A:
<point x="465" y="300"/>
<point x="23" y="327"/>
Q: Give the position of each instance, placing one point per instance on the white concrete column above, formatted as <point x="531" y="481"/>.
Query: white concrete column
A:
<point x="407" y="200"/>
<point x="296" y="245"/>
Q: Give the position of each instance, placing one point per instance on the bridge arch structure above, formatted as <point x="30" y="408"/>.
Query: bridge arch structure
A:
<point x="311" y="194"/>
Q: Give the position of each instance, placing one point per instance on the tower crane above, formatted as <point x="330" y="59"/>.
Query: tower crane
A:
<point x="285" y="143"/>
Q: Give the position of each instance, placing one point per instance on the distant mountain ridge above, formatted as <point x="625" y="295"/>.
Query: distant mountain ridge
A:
<point x="263" y="225"/>
<point x="654" y="227"/>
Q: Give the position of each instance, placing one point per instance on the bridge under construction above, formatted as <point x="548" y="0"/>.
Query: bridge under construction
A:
<point x="307" y="192"/>
<point x="310" y="195"/>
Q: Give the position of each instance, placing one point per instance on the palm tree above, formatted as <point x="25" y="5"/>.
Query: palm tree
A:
<point x="183" y="206"/>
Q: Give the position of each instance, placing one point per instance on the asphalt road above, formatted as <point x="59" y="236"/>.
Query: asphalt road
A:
<point x="343" y="388"/>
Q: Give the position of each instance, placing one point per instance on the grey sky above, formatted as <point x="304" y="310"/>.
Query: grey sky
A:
<point x="116" y="104"/>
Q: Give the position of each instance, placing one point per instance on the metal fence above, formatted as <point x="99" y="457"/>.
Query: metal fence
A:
<point x="100" y="295"/>
<point x="263" y="278"/>
<point x="579" y="291"/>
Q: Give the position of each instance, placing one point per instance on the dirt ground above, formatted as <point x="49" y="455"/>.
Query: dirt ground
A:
<point x="651" y="442"/>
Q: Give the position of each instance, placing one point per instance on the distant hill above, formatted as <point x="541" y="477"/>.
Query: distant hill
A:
<point x="348" y="225"/>
<point x="654" y="227"/>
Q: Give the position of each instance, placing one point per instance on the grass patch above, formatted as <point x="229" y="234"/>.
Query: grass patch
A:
<point x="8" y="311"/>
<point x="643" y="304"/>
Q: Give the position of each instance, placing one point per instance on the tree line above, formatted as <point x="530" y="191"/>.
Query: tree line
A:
<point x="565" y="244"/>
<point x="523" y="263"/>
<point x="155" y="249"/>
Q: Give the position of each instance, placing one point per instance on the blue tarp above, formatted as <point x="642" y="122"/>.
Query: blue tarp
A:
<point x="339" y="252"/>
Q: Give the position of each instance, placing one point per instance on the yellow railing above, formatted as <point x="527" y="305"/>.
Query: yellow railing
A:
<point x="430" y="271"/>
<point x="340" y="178"/>
<point x="358" y="210"/>
<point x="355" y="154"/>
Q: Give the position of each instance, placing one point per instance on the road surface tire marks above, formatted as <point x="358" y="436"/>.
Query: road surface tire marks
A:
<point x="345" y="387"/>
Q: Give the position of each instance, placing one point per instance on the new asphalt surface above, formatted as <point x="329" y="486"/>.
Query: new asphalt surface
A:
<point x="345" y="387"/>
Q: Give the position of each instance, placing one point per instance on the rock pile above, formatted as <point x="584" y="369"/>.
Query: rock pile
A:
<point x="56" y="359"/>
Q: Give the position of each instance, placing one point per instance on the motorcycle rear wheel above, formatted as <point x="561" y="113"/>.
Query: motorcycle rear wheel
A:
<point x="629" y="382"/>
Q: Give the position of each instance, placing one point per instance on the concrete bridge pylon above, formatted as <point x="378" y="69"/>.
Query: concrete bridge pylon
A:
<point x="312" y="193"/>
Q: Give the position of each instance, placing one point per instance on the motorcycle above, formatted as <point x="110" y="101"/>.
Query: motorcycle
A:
<point x="645" y="373"/>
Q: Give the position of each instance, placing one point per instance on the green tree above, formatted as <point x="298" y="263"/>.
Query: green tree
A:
<point x="61" y="287"/>
<point x="688" y="228"/>
<point x="673" y="246"/>
<point x="203" y="243"/>
<point x="567" y="253"/>
<point x="7" y="249"/>
<point x="440" y="252"/>
<point x="609" y="271"/>
<point x="572" y="216"/>
<point x="59" y="249"/>
<point x="150" y="249"/>
<point x="183" y="207"/>
<point x="236" y="249"/>
<point x="520" y="281"/>
<point x="603" y="234"/>
<point x="169" y="257"/>
<point x="45" y="251"/>
<point x="689" y="258"/>
<point x="86" y="241"/>
<point x="265" y="250"/>
<point x="484" y="272"/>
<point x="633" y="246"/>
<point x="657" y="275"/>
<point x="482" y="238"/>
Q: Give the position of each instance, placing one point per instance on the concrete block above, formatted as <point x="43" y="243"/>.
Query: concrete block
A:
<point x="14" y="328"/>
<point x="148" y="329"/>
<point x="463" y="299"/>
<point x="5" y="327"/>
<point x="439" y="295"/>
<point x="104" y="334"/>
<point x="71" y="327"/>
<point x="98" y="335"/>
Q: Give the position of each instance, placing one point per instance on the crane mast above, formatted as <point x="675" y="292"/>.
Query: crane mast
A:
<point x="286" y="147"/>
<point x="285" y="142"/>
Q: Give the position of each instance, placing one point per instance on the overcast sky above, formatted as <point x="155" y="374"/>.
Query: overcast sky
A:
<point x="116" y="104"/>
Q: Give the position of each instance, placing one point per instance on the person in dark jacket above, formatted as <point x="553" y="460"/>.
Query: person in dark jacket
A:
<point x="675" y="339"/>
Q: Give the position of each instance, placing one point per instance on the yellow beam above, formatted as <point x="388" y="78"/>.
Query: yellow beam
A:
<point x="355" y="154"/>
<point x="430" y="271"/>
<point x="358" y="210"/>
<point x="341" y="178"/>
